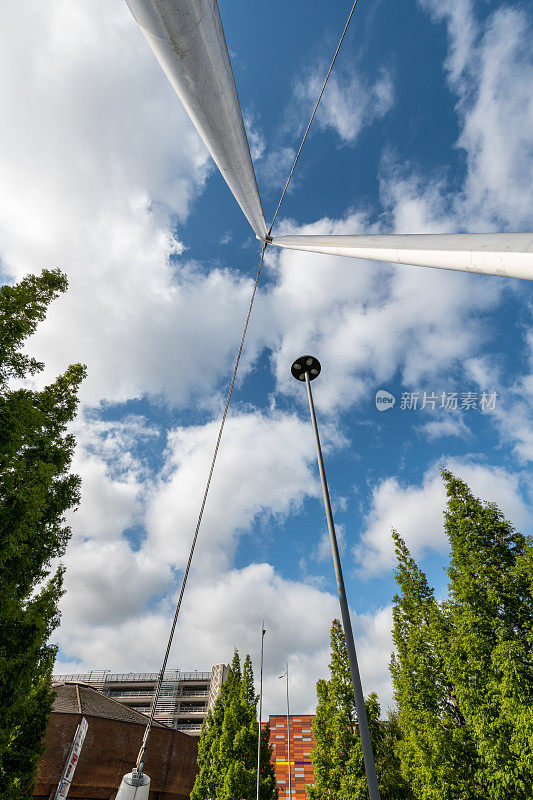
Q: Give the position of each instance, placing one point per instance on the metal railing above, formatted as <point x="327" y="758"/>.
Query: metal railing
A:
<point x="139" y="692"/>
<point x="132" y="677"/>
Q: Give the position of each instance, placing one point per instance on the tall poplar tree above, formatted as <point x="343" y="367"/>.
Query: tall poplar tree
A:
<point x="338" y="756"/>
<point x="490" y="654"/>
<point x="36" y="490"/>
<point x="463" y="669"/>
<point x="227" y="751"/>
<point x="438" y="754"/>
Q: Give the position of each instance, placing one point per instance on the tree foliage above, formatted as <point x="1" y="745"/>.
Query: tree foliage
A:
<point x="463" y="668"/>
<point x="36" y="490"/>
<point x="338" y="756"/>
<point x="227" y="751"/>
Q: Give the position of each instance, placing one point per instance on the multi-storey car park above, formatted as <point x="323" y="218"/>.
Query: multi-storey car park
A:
<point x="184" y="700"/>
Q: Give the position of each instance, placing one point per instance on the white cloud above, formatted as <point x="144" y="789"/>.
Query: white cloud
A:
<point x="264" y="472"/>
<point x="490" y="71"/>
<point x="227" y="612"/>
<point x="256" y="140"/>
<point x="416" y="511"/>
<point x="512" y="412"/>
<point x="265" y="467"/>
<point x="450" y="426"/>
<point x="274" y="168"/>
<point x="365" y="321"/>
<point x="92" y="181"/>
<point x="114" y="480"/>
<point x="350" y="102"/>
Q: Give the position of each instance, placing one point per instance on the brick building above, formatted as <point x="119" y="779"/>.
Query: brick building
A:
<point x="302" y="743"/>
<point x="110" y="749"/>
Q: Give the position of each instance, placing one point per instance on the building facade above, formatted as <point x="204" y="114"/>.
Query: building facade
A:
<point x="110" y="749"/>
<point x="184" y="700"/>
<point x="301" y="746"/>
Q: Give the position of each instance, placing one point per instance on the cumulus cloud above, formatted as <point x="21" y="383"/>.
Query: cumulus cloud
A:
<point x="367" y="321"/>
<point x="114" y="478"/>
<point x="116" y="611"/>
<point x="489" y="69"/>
<point x="512" y="414"/>
<point x="265" y="467"/>
<point x="436" y="429"/>
<point x="92" y="181"/>
<point x="227" y="612"/>
<point x="416" y="511"/>
<point x="350" y="101"/>
<point x="265" y="470"/>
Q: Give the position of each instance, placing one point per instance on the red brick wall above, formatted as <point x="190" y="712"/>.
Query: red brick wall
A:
<point x="302" y="743"/>
<point x="109" y="751"/>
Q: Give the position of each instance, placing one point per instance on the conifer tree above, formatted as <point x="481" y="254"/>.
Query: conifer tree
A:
<point x="227" y="752"/>
<point x="36" y="490"/>
<point x="338" y="756"/>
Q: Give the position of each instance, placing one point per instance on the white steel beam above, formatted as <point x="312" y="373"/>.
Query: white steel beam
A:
<point x="188" y="41"/>
<point x="506" y="254"/>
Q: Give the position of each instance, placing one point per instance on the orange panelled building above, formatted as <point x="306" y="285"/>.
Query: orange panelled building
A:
<point x="302" y="743"/>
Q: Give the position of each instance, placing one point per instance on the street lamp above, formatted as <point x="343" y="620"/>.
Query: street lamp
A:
<point x="307" y="368"/>
<point x="263" y="631"/>
<point x="286" y="673"/>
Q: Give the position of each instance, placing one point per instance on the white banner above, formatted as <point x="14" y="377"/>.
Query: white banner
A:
<point x="72" y="761"/>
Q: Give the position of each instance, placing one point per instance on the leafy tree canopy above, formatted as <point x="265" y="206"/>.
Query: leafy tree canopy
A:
<point x="36" y="491"/>
<point x="227" y="751"/>
<point x="463" y="669"/>
<point x="338" y="756"/>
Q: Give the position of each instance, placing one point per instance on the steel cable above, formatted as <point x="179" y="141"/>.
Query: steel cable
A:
<point x="157" y="691"/>
<point x="313" y="115"/>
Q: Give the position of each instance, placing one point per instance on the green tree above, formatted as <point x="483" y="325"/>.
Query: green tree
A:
<point x="36" y="490"/>
<point x="437" y="752"/>
<point x="490" y="651"/>
<point x="227" y="751"/>
<point x="338" y="756"/>
<point x="463" y="669"/>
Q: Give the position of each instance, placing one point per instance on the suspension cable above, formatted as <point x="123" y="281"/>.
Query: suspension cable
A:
<point x="313" y="115"/>
<point x="155" y="698"/>
<point x="157" y="691"/>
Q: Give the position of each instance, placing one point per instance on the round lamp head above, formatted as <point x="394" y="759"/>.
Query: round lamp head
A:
<point x="304" y="364"/>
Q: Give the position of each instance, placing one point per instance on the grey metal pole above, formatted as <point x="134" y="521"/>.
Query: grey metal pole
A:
<point x="288" y="732"/>
<point x="263" y="631"/>
<point x="368" y="755"/>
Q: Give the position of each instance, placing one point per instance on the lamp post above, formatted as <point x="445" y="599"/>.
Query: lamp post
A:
<point x="263" y="631"/>
<point x="307" y="368"/>
<point x="286" y="673"/>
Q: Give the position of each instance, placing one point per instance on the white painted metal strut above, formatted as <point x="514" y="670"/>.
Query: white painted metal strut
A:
<point x="188" y="40"/>
<point x="506" y="254"/>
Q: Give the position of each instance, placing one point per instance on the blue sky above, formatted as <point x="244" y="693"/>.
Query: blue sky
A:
<point x="425" y="127"/>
